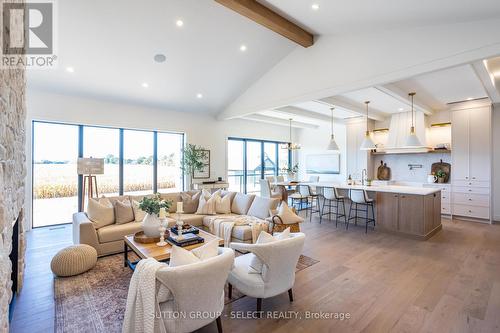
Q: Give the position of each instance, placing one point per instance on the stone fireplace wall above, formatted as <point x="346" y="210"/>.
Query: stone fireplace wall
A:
<point x="12" y="176"/>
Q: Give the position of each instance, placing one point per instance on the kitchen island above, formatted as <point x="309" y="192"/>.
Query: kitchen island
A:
<point x="409" y="211"/>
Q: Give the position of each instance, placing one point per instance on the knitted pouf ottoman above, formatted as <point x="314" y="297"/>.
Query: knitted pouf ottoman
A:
<point x="74" y="260"/>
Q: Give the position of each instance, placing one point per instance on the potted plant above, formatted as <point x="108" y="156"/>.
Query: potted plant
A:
<point x="152" y="206"/>
<point x="193" y="159"/>
<point x="441" y="176"/>
<point x="291" y="171"/>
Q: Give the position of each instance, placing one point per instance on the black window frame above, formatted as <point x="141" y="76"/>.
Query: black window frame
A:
<point x="80" y="140"/>
<point x="262" y="157"/>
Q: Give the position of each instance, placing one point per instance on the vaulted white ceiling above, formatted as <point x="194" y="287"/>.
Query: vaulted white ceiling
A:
<point x="111" y="45"/>
<point x="434" y="91"/>
<point x="347" y="17"/>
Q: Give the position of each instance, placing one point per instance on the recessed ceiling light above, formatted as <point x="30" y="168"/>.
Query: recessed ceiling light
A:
<point x="160" y="57"/>
<point x="70" y="69"/>
<point x="145" y="85"/>
<point x="470" y="98"/>
<point x="199" y="95"/>
<point x="179" y="23"/>
<point x="401" y="109"/>
<point x="315" y="6"/>
<point x="243" y="48"/>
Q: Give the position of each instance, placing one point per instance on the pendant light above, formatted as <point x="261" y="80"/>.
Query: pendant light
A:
<point x="412" y="139"/>
<point x="290" y="145"/>
<point x="367" y="142"/>
<point x="332" y="145"/>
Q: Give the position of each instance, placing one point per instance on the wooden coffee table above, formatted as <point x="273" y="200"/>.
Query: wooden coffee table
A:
<point x="152" y="250"/>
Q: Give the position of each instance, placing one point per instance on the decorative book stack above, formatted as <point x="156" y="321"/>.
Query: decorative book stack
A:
<point x="185" y="240"/>
<point x="186" y="229"/>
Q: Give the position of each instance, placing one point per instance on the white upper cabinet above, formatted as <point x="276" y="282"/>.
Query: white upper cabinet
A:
<point x="480" y="144"/>
<point x="471" y="141"/>
<point x="460" y="145"/>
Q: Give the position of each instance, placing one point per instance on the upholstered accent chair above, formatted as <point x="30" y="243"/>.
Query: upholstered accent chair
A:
<point x="279" y="259"/>
<point x="195" y="288"/>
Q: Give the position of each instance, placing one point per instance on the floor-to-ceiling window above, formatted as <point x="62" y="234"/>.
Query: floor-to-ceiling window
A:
<point x="170" y="176"/>
<point x="138" y="150"/>
<point x="250" y="160"/>
<point x="55" y="180"/>
<point x="135" y="162"/>
<point x="235" y="163"/>
<point x="101" y="142"/>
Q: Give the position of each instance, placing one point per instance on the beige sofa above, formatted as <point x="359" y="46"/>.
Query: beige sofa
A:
<point x="109" y="239"/>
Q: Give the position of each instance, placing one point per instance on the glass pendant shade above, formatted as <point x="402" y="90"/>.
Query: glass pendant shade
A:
<point x="333" y="146"/>
<point x="412" y="138"/>
<point x="368" y="143"/>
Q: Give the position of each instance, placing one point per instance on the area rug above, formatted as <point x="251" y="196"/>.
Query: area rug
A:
<point x="95" y="301"/>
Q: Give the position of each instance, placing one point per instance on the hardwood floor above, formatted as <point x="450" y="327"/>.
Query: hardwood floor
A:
<point x="450" y="283"/>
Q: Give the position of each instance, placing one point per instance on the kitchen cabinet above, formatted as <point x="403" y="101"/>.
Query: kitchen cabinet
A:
<point x="411" y="214"/>
<point x="471" y="162"/>
<point x="414" y="215"/>
<point x="480" y="144"/>
<point x="387" y="210"/>
<point x="460" y="144"/>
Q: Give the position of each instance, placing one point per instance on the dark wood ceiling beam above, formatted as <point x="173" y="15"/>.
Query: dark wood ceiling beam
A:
<point x="270" y="19"/>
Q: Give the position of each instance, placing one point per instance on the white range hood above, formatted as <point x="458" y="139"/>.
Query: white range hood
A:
<point x="399" y="130"/>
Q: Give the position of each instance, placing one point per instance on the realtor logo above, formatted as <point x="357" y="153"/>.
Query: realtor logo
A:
<point x="28" y="34"/>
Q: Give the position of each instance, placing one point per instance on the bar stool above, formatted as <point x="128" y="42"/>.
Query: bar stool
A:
<point x="305" y="195"/>
<point x="360" y="197"/>
<point x="332" y="199"/>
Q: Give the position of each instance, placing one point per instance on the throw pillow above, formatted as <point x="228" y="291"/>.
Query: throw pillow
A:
<point x="207" y="203"/>
<point x="287" y="215"/>
<point x="101" y="212"/>
<point x="139" y="214"/>
<point x="180" y="256"/>
<point x="190" y="202"/>
<point x="260" y="207"/>
<point x="241" y="203"/>
<point x="124" y="212"/>
<point x="222" y="203"/>
<point x="255" y="266"/>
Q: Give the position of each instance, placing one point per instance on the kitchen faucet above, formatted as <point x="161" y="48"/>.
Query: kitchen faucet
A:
<point x="364" y="175"/>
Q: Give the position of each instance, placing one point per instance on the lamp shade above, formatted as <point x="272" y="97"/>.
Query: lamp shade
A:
<point x="333" y="145"/>
<point x="90" y="166"/>
<point x="368" y="143"/>
<point x="413" y="141"/>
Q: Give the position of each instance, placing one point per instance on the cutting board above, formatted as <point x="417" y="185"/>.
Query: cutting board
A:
<point x="446" y="167"/>
<point x="383" y="171"/>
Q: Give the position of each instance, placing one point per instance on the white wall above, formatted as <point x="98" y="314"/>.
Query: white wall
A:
<point x="496" y="162"/>
<point x="199" y="129"/>
<point x="314" y="142"/>
<point x="399" y="165"/>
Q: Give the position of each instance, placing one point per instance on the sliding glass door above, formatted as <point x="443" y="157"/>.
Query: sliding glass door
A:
<point x="150" y="160"/>
<point x="250" y="160"/>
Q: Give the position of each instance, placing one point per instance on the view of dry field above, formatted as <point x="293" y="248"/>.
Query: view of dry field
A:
<point x="55" y="187"/>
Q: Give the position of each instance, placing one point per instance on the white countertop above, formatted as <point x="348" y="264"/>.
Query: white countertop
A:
<point x="418" y="190"/>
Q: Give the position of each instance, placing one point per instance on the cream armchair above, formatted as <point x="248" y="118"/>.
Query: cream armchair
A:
<point x="279" y="260"/>
<point x="194" y="289"/>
